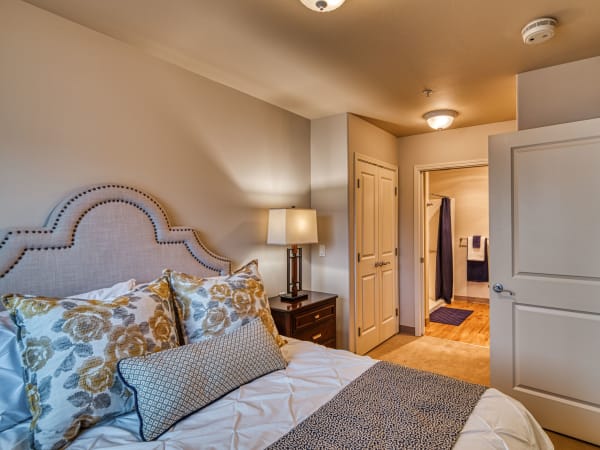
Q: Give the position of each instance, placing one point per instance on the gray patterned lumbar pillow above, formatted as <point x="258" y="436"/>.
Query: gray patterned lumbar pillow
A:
<point x="172" y="384"/>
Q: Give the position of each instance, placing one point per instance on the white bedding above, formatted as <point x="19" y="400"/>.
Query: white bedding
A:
<point x="259" y="413"/>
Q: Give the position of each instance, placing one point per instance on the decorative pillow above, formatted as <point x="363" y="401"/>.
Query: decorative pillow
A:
<point x="209" y="307"/>
<point x="108" y="293"/>
<point x="13" y="402"/>
<point x="170" y="385"/>
<point x="69" y="352"/>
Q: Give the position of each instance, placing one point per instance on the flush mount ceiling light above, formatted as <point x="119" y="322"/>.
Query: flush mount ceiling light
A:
<point x="323" y="5"/>
<point x="440" y="119"/>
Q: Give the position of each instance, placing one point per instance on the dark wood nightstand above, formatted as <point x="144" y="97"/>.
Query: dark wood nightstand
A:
<point x="311" y="319"/>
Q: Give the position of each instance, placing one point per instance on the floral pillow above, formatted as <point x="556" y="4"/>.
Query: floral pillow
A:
<point x="70" y="349"/>
<point x="13" y="403"/>
<point x="213" y="306"/>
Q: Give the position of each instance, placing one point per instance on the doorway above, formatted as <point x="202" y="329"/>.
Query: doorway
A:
<point x="449" y="278"/>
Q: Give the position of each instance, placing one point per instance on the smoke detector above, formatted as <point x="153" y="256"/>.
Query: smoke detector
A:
<point x="539" y="30"/>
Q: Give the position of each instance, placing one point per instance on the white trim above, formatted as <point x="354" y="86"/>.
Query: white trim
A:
<point x="418" y="237"/>
<point x="375" y="162"/>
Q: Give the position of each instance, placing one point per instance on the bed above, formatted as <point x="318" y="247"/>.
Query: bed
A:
<point x="101" y="235"/>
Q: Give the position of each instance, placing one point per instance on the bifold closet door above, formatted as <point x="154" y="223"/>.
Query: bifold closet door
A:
<point x="376" y="226"/>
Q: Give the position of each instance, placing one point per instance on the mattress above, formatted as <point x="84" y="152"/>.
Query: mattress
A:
<point x="260" y="412"/>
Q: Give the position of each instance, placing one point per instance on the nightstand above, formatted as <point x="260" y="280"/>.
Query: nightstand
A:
<point x="310" y="319"/>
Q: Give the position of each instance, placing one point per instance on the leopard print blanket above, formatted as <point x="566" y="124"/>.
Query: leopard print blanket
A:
<point x="389" y="407"/>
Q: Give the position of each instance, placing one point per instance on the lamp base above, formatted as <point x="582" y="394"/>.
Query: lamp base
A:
<point x="288" y="297"/>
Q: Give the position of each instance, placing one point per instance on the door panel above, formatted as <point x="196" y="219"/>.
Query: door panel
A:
<point x="368" y="193"/>
<point x="368" y="284"/>
<point x="387" y="209"/>
<point x="544" y="192"/>
<point x="367" y="307"/>
<point x="388" y="233"/>
<point x="389" y="320"/>
<point x="547" y="193"/>
<point x="550" y="370"/>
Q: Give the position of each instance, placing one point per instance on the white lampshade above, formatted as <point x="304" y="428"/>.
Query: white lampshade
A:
<point x="440" y="119"/>
<point x="292" y="226"/>
<point x="323" y="5"/>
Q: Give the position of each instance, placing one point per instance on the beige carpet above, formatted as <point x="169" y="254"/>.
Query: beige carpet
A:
<point x="466" y="362"/>
<point x="455" y="359"/>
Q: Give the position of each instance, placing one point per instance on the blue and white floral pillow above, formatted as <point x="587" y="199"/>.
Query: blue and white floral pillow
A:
<point x="13" y="403"/>
<point x="70" y="349"/>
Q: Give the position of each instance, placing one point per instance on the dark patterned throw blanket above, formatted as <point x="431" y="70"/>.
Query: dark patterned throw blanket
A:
<point x="389" y="407"/>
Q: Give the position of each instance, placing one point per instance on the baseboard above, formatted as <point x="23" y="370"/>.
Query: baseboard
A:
<point x="472" y="299"/>
<point x="407" y="330"/>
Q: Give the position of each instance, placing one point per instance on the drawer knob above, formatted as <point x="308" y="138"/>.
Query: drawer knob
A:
<point x="317" y="316"/>
<point x="316" y="336"/>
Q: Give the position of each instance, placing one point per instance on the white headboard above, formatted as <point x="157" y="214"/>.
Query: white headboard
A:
<point x="97" y="236"/>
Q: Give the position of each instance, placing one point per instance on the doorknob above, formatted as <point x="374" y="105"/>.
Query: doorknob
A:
<point x="499" y="288"/>
<point x="382" y="263"/>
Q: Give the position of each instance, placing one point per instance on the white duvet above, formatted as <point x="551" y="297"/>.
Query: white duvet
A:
<point x="260" y="412"/>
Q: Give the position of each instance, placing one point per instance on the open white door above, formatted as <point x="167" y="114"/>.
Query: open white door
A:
<point x="545" y="250"/>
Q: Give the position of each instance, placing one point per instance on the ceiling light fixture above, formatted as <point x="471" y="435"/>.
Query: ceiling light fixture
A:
<point x="323" y="5"/>
<point x="440" y="119"/>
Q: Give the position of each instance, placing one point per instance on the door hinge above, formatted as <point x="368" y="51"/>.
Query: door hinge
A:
<point x="358" y="183"/>
<point x="358" y="257"/>
<point x="396" y="312"/>
<point x="396" y="251"/>
<point x="421" y="260"/>
<point x="396" y="191"/>
<point x="358" y="331"/>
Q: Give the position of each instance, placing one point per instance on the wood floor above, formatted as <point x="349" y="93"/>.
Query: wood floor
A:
<point x="474" y="330"/>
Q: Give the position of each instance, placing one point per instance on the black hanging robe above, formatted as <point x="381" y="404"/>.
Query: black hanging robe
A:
<point x="444" y="273"/>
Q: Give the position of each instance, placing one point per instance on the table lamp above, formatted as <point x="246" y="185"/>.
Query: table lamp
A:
<point x="293" y="227"/>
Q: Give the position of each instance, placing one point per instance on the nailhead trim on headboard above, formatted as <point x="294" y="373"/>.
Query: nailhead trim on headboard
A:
<point x="54" y="220"/>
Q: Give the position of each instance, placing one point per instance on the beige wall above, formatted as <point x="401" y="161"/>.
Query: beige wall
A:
<point x="78" y="107"/>
<point x="370" y="140"/>
<point x="469" y="189"/>
<point x="334" y="141"/>
<point x="329" y="195"/>
<point x="461" y="144"/>
<point x="558" y="94"/>
<point x="365" y="139"/>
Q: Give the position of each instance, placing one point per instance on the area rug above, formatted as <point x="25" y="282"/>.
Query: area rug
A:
<point x="450" y="316"/>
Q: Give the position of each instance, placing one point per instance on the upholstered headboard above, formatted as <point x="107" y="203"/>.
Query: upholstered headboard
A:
<point x="97" y="236"/>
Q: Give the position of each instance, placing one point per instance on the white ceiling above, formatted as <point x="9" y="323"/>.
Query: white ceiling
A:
<point x="370" y="57"/>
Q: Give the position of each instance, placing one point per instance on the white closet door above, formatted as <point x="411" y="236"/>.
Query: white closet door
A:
<point x="376" y="247"/>
<point x="545" y="250"/>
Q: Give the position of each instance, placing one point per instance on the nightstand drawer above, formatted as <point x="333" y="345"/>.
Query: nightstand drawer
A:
<point x="314" y="316"/>
<point x="324" y="331"/>
<point x="310" y="319"/>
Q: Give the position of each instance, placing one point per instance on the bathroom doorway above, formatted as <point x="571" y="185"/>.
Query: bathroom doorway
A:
<point x="453" y="283"/>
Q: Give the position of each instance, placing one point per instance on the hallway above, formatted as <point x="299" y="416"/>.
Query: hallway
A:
<point x="474" y="330"/>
